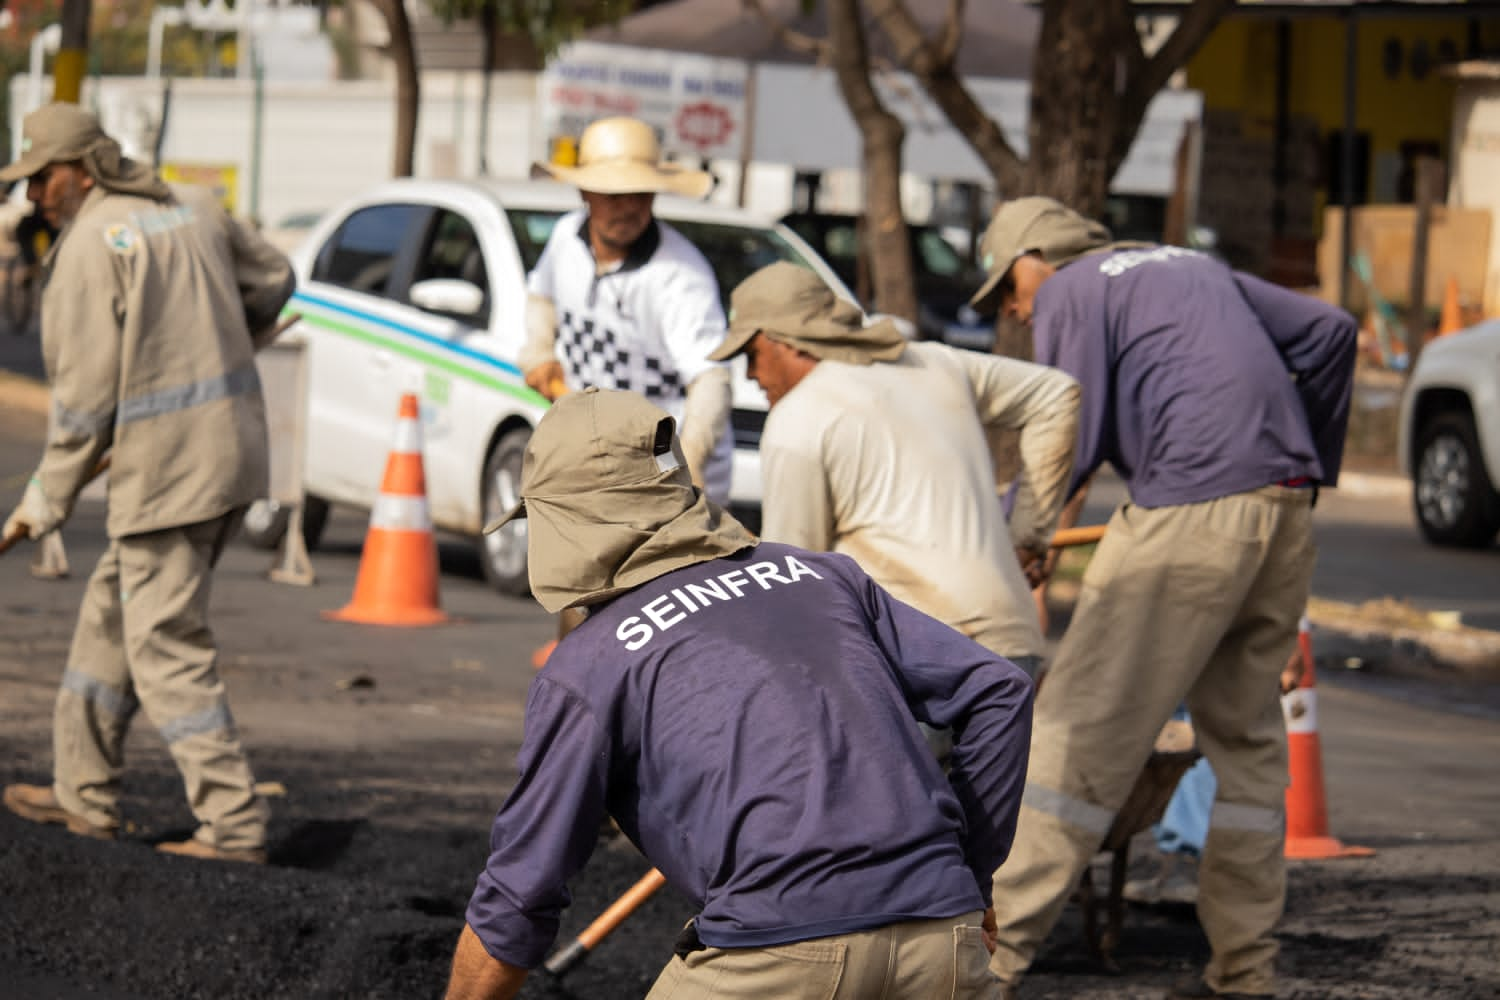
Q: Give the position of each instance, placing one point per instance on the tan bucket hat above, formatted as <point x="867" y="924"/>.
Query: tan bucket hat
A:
<point x="54" y="133"/>
<point x="623" y="156"/>
<point x="1026" y="225"/>
<point x="609" y="501"/>
<point x="792" y="305"/>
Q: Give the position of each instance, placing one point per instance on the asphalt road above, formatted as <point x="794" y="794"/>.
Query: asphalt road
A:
<point x="393" y="747"/>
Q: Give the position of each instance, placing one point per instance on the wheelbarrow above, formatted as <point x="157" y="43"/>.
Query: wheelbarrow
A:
<point x="1174" y="752"/>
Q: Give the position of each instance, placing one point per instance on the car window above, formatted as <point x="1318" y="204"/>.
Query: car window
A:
<point x="736" y="252"/>
<point x="936" y="255"/>
<point x="453" y="251"/>
<point x="362" y="252"/>
<point x="532" y="228"/>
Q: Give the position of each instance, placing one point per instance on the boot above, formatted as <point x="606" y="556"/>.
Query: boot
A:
<point x="198" y="849"/>
<point x="39" y="804"/>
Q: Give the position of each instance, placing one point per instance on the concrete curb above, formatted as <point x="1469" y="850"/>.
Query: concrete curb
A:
<point x="1471" y="650"/>
<point x="1365" y="484"/>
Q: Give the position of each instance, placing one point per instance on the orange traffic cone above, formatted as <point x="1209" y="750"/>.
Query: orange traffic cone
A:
<point x="1307" y="836"/>
<point x="398" y="569"/>
<point x="1451" y="319"/>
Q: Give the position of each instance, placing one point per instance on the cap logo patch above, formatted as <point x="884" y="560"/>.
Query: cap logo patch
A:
<point x="989" y="261"/>
<point x="26" y="144"/>
<point x="120" y="238"/>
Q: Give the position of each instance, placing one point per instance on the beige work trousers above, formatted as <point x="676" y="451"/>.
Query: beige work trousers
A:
<point x="1200" y="603"/>
<point x="915" y="960"/>
<point x="143" y="641"/>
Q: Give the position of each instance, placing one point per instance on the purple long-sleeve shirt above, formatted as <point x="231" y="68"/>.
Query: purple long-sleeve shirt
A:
<point x="1198" y="382"/>
<point x="751" y="724"/>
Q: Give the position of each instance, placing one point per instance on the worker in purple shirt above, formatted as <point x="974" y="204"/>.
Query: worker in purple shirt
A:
<point x="1222" y="401"/>
<point x="747" y="713"/>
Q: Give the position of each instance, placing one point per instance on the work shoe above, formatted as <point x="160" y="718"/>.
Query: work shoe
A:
<point x="1175" y="882"/>
<point x="198" y="849"/>
<point x="1194" y="988"/>
<point x="39" y="804"/>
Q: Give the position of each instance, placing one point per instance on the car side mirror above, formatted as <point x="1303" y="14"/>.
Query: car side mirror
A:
<point x="448" y="295"/>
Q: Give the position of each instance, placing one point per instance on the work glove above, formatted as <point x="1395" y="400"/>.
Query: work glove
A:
<point x="33" y="516"/>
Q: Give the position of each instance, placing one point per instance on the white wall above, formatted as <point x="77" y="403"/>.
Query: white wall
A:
<point x="320" y="142"/>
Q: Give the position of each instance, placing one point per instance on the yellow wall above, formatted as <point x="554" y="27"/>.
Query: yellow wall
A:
<point x="1236" y="71"/>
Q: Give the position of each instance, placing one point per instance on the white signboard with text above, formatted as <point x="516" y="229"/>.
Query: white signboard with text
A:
<point x="696" y="103"/>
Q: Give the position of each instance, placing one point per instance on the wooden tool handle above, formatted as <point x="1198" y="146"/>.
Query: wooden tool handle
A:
<point x="1086" y="535"/>
<point x="622" y="908"/>
<point x="607" y="921"/>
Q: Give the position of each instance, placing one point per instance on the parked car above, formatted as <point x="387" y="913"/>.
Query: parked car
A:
<point x="419" y="286"/>
<point x="1449" y="438"/>
<point x="944" y="281"/>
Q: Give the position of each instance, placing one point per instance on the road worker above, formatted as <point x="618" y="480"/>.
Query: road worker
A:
<point x="1222" y="401"/>
<point x="880" y="449"/>
<point x="747" y="713"/>
<point x="154" y="303"/>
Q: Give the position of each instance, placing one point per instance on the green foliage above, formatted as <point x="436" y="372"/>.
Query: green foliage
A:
<point x="548" y="24"/>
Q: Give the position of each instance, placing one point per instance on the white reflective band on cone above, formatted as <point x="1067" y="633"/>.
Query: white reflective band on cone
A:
<point x="400" y="513"/>
<point x="1300" y="707"/>
<point x="408" y="437"/>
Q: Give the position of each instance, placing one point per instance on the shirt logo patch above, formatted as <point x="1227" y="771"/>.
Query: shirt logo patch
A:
<point x="120" y="238"/>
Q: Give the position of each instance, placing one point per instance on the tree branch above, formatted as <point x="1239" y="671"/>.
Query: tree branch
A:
<point x="796" y="41"/>
<point x="1147" y="77"/>
<point x="935" y="68"/>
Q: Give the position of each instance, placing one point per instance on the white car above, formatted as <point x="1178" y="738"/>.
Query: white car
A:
<point x="1450" y="436"/>
<point x="419" y="286"/>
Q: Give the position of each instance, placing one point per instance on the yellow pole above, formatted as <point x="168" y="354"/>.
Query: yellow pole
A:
<point x="68" y="69"/>
<point x="72" y="59"/>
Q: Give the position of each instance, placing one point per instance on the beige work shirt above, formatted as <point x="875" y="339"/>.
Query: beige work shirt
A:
<point x="147" y="313"/>
<point x="889" y="464"/>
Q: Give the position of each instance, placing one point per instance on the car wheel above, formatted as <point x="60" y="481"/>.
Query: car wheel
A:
<point x="1451" y="491"/>
<point x="265" y="522"/>
<point x="502" y="553"/>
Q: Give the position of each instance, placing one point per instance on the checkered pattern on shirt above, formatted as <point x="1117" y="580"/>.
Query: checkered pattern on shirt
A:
<point x="594" y="355"/>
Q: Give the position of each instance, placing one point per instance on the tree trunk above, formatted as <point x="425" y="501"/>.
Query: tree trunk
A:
<point x="408" y="86"/>
<point x="935" y="67"/>
<point x="1075" y="100"/>
<point x="882" y="134"/>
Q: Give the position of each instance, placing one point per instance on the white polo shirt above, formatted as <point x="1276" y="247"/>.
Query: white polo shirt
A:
<point x="648" y="325"/>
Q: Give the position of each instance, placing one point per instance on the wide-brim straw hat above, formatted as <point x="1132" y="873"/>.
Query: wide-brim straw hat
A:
<point x="623" y="156"/>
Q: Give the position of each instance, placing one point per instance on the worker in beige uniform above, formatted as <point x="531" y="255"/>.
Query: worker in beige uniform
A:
<point x="880" y="449"/>
<point x="154" y="304"/>
<point x="621" y="300"/>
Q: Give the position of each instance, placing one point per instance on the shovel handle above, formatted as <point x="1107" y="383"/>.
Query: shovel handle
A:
<point x="1086" y="535"/>
<point x="606" y="922"/>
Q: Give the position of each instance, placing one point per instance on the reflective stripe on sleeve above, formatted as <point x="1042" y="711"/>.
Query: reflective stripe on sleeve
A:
<point x="154" y="404"/>
<point x="1074" y="812"/>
